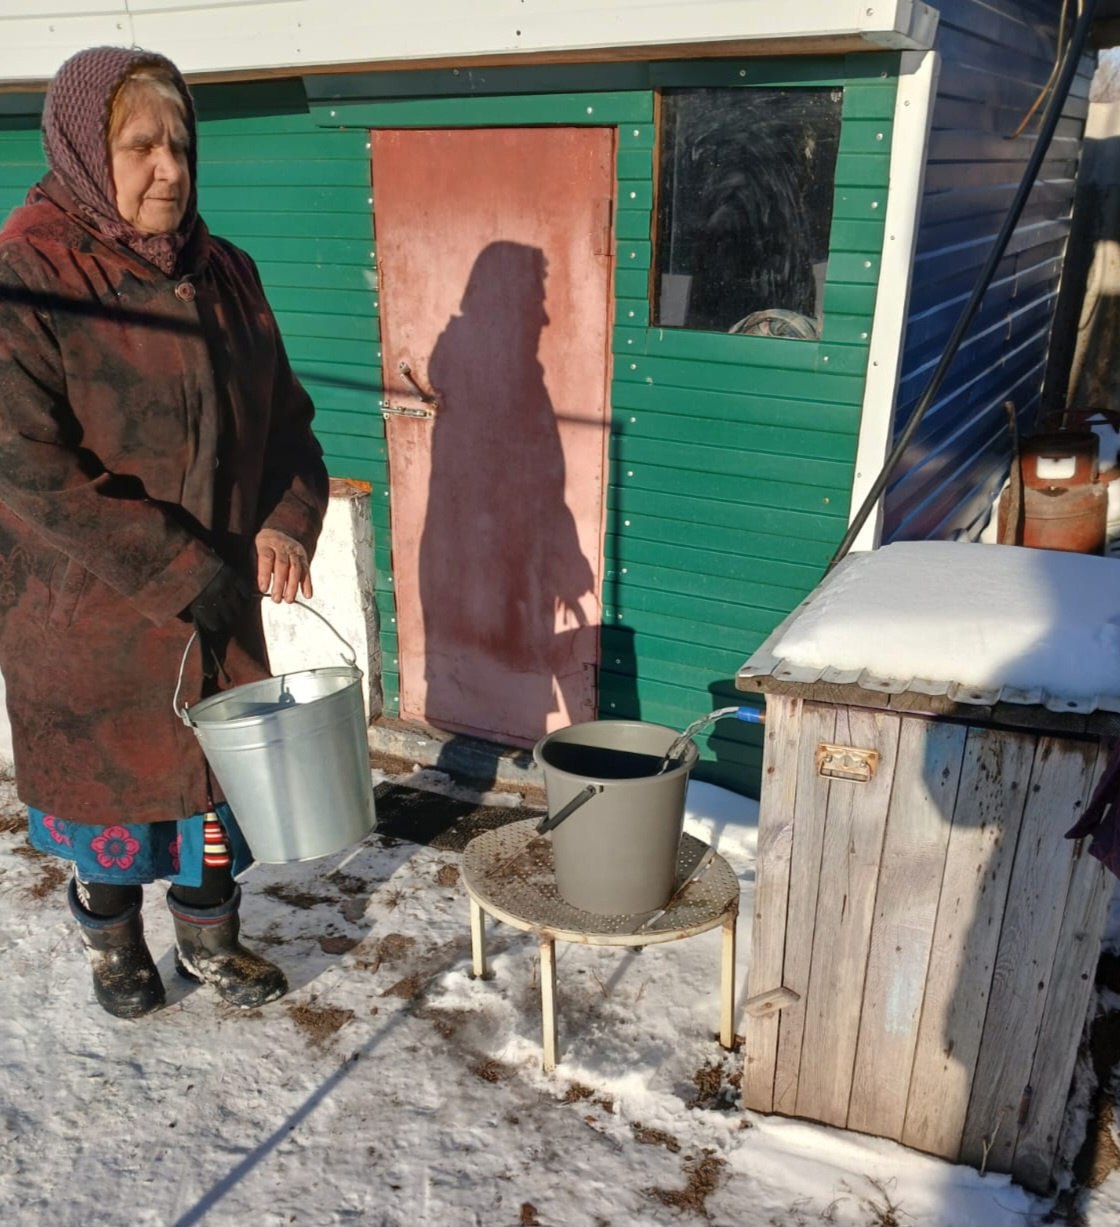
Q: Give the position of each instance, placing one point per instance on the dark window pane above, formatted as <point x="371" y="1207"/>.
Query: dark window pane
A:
<point x="745" y="208"/>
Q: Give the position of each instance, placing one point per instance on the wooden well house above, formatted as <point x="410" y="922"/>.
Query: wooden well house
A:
<point x="924" y="934"/>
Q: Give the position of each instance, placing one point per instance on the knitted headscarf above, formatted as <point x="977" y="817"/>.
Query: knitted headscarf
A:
<point x="75" y="140"/>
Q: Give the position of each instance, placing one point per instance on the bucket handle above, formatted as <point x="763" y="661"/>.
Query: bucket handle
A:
<point x="351" y="659"/>
<point x="551" y="821"/>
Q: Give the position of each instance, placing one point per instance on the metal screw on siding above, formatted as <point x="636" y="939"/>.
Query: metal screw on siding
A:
<point x="878" y="136"/>
<point x="637" y="132"/>
<point x="629" y="472"/>
<point x="633" y="195"/>
<point x="625" y="523"/>
<point x="591" y="110"/>
<point x="632" y="420"/>
<point x="742" y="72"/>
<point x="825" y="358"/>
<point x="633" y="366"/>
<point x="874" y="204"/>
<point x="867" y="264"/>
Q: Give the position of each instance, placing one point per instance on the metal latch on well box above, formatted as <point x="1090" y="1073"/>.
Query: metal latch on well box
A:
<point x="846" y="762"/>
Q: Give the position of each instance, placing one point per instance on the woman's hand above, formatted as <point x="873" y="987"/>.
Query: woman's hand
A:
<point x="282" y="566"/>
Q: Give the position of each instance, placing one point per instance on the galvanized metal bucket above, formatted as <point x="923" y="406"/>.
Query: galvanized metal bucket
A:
<point x="291" y="754"/>
<point x="615" y="816"/>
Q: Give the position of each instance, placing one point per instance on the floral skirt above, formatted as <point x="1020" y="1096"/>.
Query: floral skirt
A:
<point x="129" y="854"/>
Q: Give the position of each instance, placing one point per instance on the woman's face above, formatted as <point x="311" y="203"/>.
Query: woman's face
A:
<point x="149" y="162"/>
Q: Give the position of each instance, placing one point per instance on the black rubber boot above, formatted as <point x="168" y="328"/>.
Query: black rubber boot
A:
<point x="208" y="950"/>
<point x="125" y="979"/>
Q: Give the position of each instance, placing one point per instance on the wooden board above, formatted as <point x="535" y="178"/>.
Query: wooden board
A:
<point x="775" y="836"/>
<point x="853" y="839"/>
<point x="981" y="846"/>
<point x="819" y="725"/>
<point x="925" y="793"/>
<point x="1024" y="961"/>
<point x="1064" y="1018"/>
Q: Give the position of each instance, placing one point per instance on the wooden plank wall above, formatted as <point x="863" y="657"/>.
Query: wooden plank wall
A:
<point x="997" y="55"/>
<point x="938" y="931"/>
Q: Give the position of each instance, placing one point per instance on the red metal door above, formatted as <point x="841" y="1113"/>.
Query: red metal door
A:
<point x="495" y="275"/>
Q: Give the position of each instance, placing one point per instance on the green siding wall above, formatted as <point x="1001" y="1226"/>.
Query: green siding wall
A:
<point x="296" y="197"/>
<point x="731" y="457"/>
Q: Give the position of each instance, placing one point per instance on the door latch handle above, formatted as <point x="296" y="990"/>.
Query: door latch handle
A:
<point x="427" y="397"/>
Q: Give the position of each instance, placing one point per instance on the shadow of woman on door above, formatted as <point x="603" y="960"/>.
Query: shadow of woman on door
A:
<point x="506" y="589"/>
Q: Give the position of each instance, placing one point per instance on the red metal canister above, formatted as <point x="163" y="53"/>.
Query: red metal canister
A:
<point x="1065" y="507"/>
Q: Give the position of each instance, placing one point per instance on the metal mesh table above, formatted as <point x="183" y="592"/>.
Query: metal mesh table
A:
<point x="509" y="875"/>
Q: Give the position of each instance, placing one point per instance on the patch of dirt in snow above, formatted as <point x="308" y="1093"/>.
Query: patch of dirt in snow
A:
<point x="717" y="1085"/>
<point x="52" y="877"/>
<point x="703" y="1173"/>
<point x="577" y="1092"/>
<point x="320" y="1023"/>
<point x="654" y="1137"/>
<point x="392" y="948"/>
<point x="491" y="1070"/>
<point x="294" y="897"/>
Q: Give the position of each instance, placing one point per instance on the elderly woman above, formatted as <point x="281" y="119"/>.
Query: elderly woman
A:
<point x="157" y="473"/>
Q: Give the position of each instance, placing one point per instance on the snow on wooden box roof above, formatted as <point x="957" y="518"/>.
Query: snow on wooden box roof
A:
<point x="977" y="624"/>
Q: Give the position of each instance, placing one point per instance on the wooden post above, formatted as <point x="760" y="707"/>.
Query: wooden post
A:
<point x="727" y="983"/>
<point x="478" y="941"/>
<point x="548" y="1002"/>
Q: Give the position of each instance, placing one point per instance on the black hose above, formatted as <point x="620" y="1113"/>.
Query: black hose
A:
<point x="1034" y="162"/>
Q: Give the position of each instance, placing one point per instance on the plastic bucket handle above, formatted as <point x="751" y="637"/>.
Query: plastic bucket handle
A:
<point x="182" y="712"/>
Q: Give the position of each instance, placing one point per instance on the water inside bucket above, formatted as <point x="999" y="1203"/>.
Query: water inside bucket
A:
<point x="601" y="762"/>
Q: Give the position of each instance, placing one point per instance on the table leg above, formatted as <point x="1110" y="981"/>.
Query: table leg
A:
<point x="478" y="941"/>
<point x="727" y="984"/>
<point x="548" y="1002"/>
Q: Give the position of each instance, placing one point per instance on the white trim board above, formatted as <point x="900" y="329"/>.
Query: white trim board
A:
<point x="917" y="89"/>
<point x="246" y="36"/>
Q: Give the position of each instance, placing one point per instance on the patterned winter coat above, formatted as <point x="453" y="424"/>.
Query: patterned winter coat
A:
<point x="149" y="427"/>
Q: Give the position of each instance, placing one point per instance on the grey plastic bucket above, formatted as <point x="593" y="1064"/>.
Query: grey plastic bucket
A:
<point x="291" y="754"/>
<point x="616" y="852"/>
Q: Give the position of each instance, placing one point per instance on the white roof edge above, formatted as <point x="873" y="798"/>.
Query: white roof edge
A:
<point x="231" y="37"/>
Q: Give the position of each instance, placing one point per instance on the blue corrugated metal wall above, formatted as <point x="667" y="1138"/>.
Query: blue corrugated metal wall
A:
<point x="996" y="57"/>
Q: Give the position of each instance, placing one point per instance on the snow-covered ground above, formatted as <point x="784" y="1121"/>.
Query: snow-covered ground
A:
<point x="391" y="1089"/>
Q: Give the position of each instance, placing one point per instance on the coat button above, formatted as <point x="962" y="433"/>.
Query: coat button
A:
<point x="185" y="292"/>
